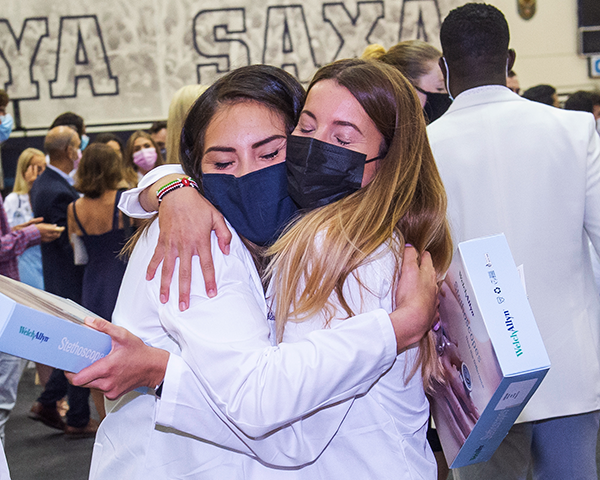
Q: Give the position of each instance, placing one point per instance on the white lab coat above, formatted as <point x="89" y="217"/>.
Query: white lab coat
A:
<point x="251" y="406"/>
<point x="533" y="172"/>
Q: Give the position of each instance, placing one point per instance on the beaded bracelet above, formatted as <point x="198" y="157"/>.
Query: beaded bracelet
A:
<point x="174" y="185"/>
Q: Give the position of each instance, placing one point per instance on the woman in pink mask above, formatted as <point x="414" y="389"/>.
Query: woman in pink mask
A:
<point x="141" y="156"/>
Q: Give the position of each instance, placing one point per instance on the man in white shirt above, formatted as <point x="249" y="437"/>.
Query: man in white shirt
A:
<point x="533" y="172"/>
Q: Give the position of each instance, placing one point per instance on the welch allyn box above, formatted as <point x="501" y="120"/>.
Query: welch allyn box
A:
<point x="47" y="329"/>
<point x="490" y="349"/>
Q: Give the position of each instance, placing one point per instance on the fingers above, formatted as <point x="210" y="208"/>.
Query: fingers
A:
<point x="410" y="256"/>
<point x="426" y="265"/>
<point x="223" y="234"/>
<point x="88" y="377"/>
<point x="208" y="271"/>
<point x="157" y="257"/>
<point x="416" y="298"/>
<point x="35" y="220"/>
<point x="166" y="274"/>
<point x="185" y="279"/>
<point x="103" y="326"/>
<point x="207" y="266"/>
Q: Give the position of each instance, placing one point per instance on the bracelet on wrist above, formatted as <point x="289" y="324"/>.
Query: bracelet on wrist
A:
<point x="174" y="185"/>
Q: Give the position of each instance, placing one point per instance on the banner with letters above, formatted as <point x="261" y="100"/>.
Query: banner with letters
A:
<point x="118" y="62"/>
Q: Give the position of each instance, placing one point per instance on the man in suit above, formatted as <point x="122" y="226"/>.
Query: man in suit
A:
<point x="50" y="195"/>
<point x="533" y="172"/>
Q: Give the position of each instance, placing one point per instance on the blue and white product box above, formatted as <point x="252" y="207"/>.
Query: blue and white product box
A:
<point x="47" y="329"/>
<point x="490" y="348"/>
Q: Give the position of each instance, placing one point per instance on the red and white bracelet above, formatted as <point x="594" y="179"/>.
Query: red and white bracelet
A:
<point x="174" y="185"/>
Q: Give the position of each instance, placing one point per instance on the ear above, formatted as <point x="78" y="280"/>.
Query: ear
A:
<point x="512" y="56"/>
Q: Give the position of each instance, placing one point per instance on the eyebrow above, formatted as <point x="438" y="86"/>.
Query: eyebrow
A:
<point x="267" y="140"/>
<point x="258" y="144"/>
<point x="220" y="149"/>
<point x="341" y="123"/>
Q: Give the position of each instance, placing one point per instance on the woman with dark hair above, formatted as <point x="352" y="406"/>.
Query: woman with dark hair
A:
<point x="542" y="94"/>
<point x="141" y="155"/>
<point x="111" y="140"/>
<point x="266" y="409"/>
<point x="97" y="229"/>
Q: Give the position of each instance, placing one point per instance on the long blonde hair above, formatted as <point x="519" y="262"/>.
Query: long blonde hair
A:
<point x="21" y="185"/>
<point x="130" y="169"/>
<point x="179" y="107"/>
<point x="405" y="202"/>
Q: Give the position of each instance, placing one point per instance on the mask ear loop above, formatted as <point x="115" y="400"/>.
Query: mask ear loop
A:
<point x="448" y="79"/>
<point x="379" y="157"/>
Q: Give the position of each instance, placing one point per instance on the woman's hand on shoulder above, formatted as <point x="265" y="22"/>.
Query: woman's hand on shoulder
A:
<point x="186" y="221"/>
<point x="416" y="298"/>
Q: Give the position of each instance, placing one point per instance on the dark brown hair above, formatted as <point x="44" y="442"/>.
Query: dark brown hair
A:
<point x="99" y="170"/>
<point x="3" y="98"/>
<point x="264" y="84"/>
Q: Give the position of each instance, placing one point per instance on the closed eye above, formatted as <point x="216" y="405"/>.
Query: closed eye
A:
<point x="222" y="165"/>
<point x="271" y="155"/>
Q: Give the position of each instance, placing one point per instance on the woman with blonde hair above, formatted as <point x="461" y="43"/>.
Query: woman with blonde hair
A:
<point x="141" y="155"/>
<point x="363" y="122"/>
<point x="30" y="165"/>
<point x="418" y="62"/>
<point x="181" y="102"/>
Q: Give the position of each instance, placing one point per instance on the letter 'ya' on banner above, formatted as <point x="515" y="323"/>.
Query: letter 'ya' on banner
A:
<point x="116" y="62"/>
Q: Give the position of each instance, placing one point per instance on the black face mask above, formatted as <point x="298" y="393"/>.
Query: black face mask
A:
<point x="436" y="104"/>
<point x="320" y="173"/>
<point x="256" y="204"/>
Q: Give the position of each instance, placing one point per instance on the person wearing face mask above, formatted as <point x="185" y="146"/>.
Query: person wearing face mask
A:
<point x="141" y="156"/>
<point x="418" y="62"/>
<point x="158" y="132"/>
<point x="6" y="126"/>
<point x="531" y="171"/>
<point x="259" y="403"/>
<point x="77" y="123"/>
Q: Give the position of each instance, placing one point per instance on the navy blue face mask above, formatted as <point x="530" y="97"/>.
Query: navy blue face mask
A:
<point x="320" y="173"/>
<point x="257" y="204"/>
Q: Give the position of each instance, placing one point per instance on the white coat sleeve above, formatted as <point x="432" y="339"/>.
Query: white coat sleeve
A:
<point x="592" y="194"/>
<point x="129" y="203"/>
<point x="283" y="403"/>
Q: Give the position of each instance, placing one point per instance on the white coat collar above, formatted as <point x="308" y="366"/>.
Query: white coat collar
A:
<point x="482" y="95"/>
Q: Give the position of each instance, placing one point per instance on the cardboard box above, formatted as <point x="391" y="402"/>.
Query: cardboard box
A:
<point x="48" y="329"/>
<point x="491" y="350"/>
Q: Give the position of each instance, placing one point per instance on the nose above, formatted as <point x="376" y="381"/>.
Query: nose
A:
<point x="245" y="164"/>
